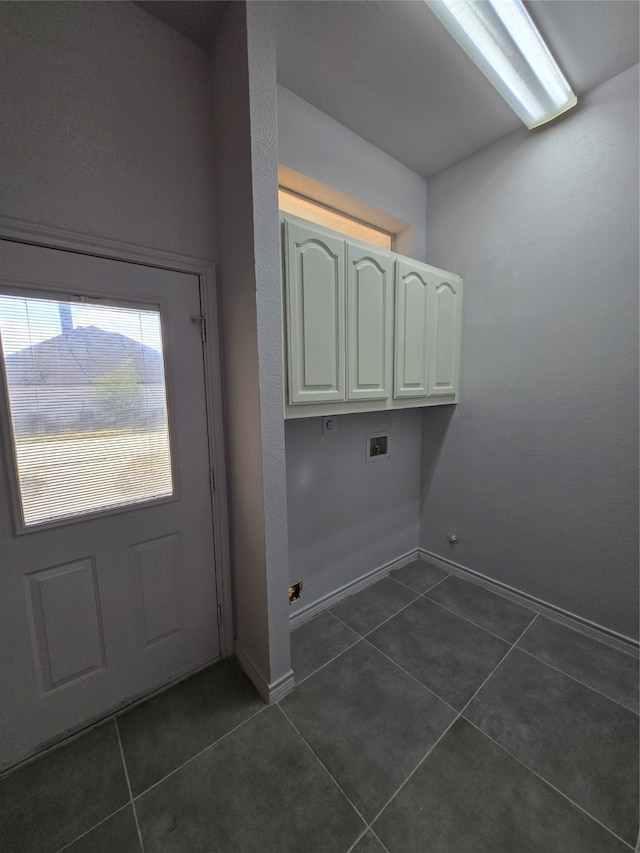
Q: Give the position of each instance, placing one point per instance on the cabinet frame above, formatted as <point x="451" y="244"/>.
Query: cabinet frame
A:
<point x="421" y="358"/>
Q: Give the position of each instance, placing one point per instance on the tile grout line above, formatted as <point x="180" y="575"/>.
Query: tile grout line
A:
<point x="526" y="766"/>
<point x="548" y="783"/>
<point x="126" y="773"/>
<point x="404" y="607"/>
<point x="344" y="623"/>
<point x="500" y="662"/>
<point x="457" y="713"/>
<point x="377" y="837"/>
<point x="335" y="657"/>
<point x="413" y="772"/>
<point x="476" y="624"/>
<point x="91" y="828"/>
<point x="412" y="677"/>
<point x="361" y="838"/>
<point x="455" y="719"/>
<point x="45" y="751"/>
<point x="202" y="751"/>
<point x="324" y="767"/>
<point x="358" y="839"/>
<point x="437" y="695"/>
<point x="583" y="683"/>
<point x="428" y="589"/>
<point x="393" y="615"/>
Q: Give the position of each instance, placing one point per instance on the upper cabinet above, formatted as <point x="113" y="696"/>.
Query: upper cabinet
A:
<point x="427" y="343"/>
<point x="365" y="329"/>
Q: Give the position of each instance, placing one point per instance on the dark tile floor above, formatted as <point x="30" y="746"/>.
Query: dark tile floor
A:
<point x="431" y="716"/>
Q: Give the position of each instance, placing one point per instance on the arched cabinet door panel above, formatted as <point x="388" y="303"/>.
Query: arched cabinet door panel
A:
<point x="444" y="334"/>
<point x="412" y="330"/>
<point x="369" y="323"/>
<point x="315" y="315"/>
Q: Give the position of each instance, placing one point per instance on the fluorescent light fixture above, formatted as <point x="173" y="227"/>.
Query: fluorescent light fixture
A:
<point x="502" y="40"/>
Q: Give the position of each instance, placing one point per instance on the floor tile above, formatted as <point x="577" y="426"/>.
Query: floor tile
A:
<point x="365" y="610"/>
<point x="164" y="732"/>
<point x="488" y="610"/>
<point x="581" y="742"/>
<point x="602" y="667"/>
<point x="447" y="654"/>
<point x="469" y="796"/>
<point x="51" y="801"/>
<point x="368" y="844"/>
<point x="260" y="790"/>
<point x="419" y="575"/>
<point x="118" y="834"/>
<point x="317" y="642"/>
<point x="368" y="722"/>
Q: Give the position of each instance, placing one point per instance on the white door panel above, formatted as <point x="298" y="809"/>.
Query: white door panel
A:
<point x="98" y="609"/>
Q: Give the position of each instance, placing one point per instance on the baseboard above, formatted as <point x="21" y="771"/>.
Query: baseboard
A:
<point x="270" y="692"/>
<point x="612" y="638"/>
<point x="303" y="614"/>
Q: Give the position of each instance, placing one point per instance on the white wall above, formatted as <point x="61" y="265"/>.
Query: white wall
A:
<point x="537" y="470"/>
<point x="106" y="126"/>
<point x="347" y="516"/>
<point x="243" y="70"/>
<point x="311" y="142"/>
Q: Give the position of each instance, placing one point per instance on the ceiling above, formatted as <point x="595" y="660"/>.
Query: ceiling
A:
<point x="388" y="71"/>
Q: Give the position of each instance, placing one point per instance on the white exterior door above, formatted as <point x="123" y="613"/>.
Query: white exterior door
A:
<point x="107" y="577"/>
<point x="369" y="323"/>
<point x="315" y="315"/>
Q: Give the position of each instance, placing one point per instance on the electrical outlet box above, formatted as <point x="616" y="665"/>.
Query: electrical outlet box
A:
<point x="329" y="424"/>
<point x="295" y="591"/>
<point x="377" y="446"/>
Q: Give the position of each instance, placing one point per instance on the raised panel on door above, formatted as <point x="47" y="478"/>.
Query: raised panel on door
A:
<point x="412" y="331"/>
<point x="369" y="323"/>
<point x="444" y="335"/>
<point x="315" y="315"/>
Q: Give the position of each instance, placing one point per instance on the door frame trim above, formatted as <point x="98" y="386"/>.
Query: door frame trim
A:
<point x="57" y="238"/>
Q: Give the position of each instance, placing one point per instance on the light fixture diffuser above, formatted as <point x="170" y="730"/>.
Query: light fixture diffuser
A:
<point x="502" y="40"/>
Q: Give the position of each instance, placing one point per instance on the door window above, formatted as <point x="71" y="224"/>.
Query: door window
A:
<point x="85" y="383"/>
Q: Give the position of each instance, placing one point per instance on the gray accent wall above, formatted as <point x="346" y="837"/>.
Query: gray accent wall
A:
<point x="244" y="108"/>
<point x="537" y="469"/>
<point x="106" y="126"/>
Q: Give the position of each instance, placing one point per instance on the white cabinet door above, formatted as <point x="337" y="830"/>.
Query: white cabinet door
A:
<point x="315" y="315"/>
<point x="444" y="334"/>
<point x="412" y="327"/>
<point x="369" y="323"/>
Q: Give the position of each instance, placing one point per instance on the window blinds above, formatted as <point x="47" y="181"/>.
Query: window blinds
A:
<point x="87" y="404"/>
